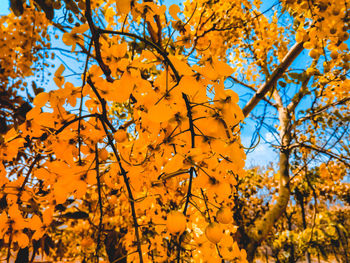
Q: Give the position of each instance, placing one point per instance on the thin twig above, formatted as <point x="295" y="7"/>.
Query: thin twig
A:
<point x="36" y="159"/>
<point x="192" y="170"/>
<point x="127" y="184"/>
<point x="97" y="168"/>
<point x="95" y="36"/>
<point x="149" y="43"/>
<point x="82" y="99"/>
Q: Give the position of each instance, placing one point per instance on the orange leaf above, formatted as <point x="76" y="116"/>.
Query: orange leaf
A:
<point x="123" y="6"/>
<point x="41" y="99"/>
<point x="60" y="70"/>
<point x="173" y="10"/>
<point x="181" y="67"/>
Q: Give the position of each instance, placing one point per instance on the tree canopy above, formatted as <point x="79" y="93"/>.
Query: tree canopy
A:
<point x="121" y="125"/>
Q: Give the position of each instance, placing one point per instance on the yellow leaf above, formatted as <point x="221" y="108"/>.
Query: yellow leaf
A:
<point x="22" y="239"/>
<point x="197" y="90"/>
<point x="91" y="177"/>
<point x="181" y="67"/>
<point x="173" y="10"/>
<point x="41" y="99"/>
<point x="60" y="192"/>
<point x="148" y="55"/>
<point x="120" y="50"/>
<point x="123" y="6"/>
<point x="60" y="70"/>
<point x="81" y="29"/>
<point x="59" y="81"/>
<point x="207" y="71"/>
<point x="3" y="178"/>
<point x="33" y="112"/>
<point x="35" y="223"/>
<point x="10" y="135"/>
<point x="48" y="216"/>
<point x="121" y="90"/>
<point x="45" y="119"/>
<point x="174" y="164"/>
<point x="222" y="68"/>
<point x="160" y="112"/>
<point x="70" y="39"/>
<point x="3" y="221"/>
<point x="80" y="189"/>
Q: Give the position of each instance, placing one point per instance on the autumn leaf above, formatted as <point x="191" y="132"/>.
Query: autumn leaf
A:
<point x="181" y="67"/>
<point x="142" y="152"/>
<point x="41" y="99"/>
<point x="174" y="10"/>
<point x="123" y="6"/>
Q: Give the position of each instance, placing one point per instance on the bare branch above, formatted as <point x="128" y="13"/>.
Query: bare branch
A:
<point x="276" y="74"/>
<point x="252" y="89"/>
<point x="299" y="95"/>
<point x="100" y="224"/>
<point x="189" y="189"/>
<point x="328" y="152"/>
<point x="96" y="39"/>
<point x="339" y="102"/>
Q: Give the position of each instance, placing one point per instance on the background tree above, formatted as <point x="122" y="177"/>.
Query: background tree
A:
<point x="297" y="96"/>
<point x="315" y="216"/>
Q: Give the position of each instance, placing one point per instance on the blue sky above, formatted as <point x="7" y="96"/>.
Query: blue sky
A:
<point x="4" y="7"/>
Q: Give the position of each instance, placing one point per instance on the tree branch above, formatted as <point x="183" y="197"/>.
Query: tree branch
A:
<point x="188" y="196"/>
<point x="342" y="101"/>
<point x="105" y="122"/>
<point x="19" y="195"/>
<point x="95" y="35"/>
<point x="276" y="74"/>
<point x="252" y="89"/>
<point x="299" y="95"/>
<point x="341" y="158"/>
<point x="97" y="168"/>
<point x="103" y="104"/>
<point x="261" y="227"/>
<point x="147" y="42"/>
<point x="127" y="184"/>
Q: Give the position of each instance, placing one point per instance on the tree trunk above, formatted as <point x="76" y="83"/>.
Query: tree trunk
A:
<point x="291" y="247"/>
<point x="114" y="248"/>
<point x="303" y="216"/>
<point x="261" y="228"/>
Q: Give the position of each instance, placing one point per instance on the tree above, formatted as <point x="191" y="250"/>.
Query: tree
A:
<point x="315" y="87"/>
<point x="314" y="224"/>
<point x="137" y="161"/>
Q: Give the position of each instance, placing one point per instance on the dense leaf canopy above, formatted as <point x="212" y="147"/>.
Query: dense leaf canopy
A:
<point x="120" y="130"/>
